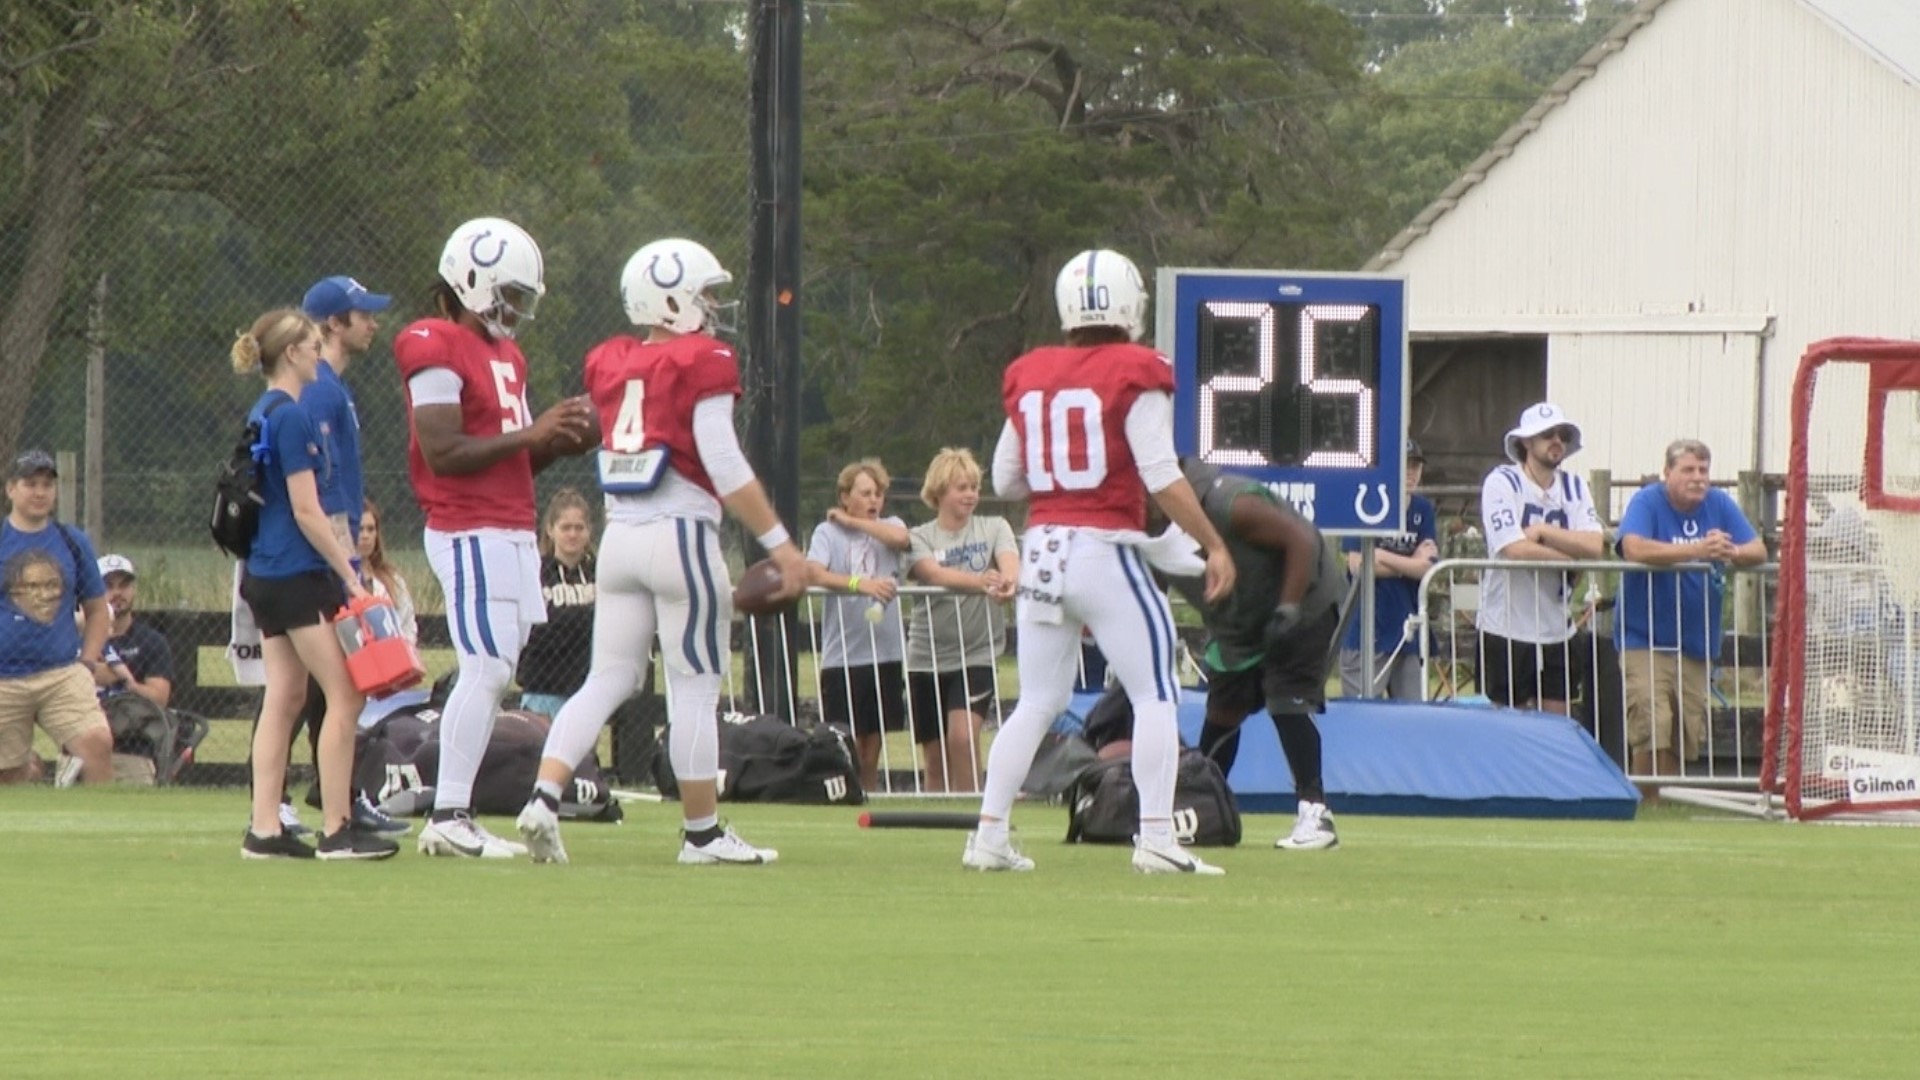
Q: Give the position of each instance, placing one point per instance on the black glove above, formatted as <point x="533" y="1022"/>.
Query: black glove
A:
<point x="1282" y="623"/>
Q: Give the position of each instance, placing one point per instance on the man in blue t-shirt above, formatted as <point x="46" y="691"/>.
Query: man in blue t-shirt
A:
<point x="344" y="311"/>
<point x="47" y="663"/>
<point x="1398" y="565"/>
<point x="1667" y="626"/>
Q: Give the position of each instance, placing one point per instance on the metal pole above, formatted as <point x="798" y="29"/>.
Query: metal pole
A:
<point x="772" y="375"/>
<point x="93" y="513"/>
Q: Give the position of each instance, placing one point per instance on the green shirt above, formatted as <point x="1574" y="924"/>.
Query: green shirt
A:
<point x="1237" y="625"/>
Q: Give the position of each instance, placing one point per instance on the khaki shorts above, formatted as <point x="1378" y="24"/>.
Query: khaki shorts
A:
<point x="61" y="701"/>
<point x="1657" y="685"/>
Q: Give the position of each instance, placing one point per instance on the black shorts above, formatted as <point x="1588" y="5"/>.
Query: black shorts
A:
<point x="865" y="699"/>
<point x="292" y="603"/>
<point x="1291" y="680"/>
<point x="934" y="695"/>
<point x="1520" y="673"/>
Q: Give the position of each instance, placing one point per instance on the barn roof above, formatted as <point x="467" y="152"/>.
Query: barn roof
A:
<point x="1887" y="30"/>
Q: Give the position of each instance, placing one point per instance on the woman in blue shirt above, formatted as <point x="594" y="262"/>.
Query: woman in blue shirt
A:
<point x="298" y="575"/>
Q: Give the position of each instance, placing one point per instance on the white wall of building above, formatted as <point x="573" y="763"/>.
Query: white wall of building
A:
<point x="1735" y="160"/>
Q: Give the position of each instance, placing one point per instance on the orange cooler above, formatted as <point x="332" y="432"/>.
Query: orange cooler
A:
<point x="379" y="658"/>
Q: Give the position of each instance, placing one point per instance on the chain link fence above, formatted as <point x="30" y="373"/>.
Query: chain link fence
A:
<point x="229" y="156"/>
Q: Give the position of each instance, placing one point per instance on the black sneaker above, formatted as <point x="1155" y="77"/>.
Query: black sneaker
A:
<point x="278" y="846"/>
<point x="351" y="843"/>
<point x="371" y="819"/>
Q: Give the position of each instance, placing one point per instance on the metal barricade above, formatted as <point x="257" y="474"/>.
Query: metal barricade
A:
<point x="1615" y="694"/>
<point x="928" y="754"/>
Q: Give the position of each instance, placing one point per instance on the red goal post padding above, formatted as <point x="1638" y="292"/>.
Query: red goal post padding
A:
<point x="1826" y="790"/>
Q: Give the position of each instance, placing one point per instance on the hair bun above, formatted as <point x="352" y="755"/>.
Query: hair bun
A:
<point x="246" y="353"/>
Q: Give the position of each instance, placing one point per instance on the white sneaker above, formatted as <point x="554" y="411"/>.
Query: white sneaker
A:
<point x="461" y="837"/>
<point x="66" y="771"/>
<point x="540" y="827"/>
<point x="726" y="849"/>
<point x="1172" y="859"/>
<point x="1312" y="830"/>
<point x="979" y="856"/>
<point x="290" y="821"/>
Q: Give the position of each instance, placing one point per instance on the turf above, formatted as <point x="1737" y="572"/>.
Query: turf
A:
<point x="140" y="945"/>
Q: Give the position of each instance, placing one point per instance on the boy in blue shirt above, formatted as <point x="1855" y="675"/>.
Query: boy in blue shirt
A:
<point x="1667" y="626"/>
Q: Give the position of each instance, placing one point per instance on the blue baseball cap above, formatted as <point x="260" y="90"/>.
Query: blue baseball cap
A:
<point x="339" y="295"/>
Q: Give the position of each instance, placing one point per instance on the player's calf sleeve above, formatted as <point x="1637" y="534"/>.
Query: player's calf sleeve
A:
<point x="1220" y="743"/>
<point x="577" y="727"/>
<point x="1156" y="760"/>
<point x="693" y="726"/>
<point x="1300" y="739"/>
<point x="465" y="727"/>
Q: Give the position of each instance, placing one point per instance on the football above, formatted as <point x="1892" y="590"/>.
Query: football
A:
<point x="754" y="593"/>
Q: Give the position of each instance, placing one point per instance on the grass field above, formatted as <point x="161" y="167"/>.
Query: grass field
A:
<point x="142" y="946"/>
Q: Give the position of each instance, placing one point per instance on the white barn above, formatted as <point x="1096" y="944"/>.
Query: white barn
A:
<point x="1653" y="245"/>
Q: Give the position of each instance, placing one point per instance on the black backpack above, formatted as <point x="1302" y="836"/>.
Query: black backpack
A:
<point x="1104" y="808"/>
<point x="766" y="759"/>
<point x="168" y="737"/>
<point x="237" y="497"/>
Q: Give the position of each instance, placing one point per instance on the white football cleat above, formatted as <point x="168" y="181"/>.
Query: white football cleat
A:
<point x="1172" y="859"/>
<point x="462" y="837"/>
<point x="978" y="856"/>
<point x="1312" y="830"/>
<point x="540" y="828"/>
<point x="727" y="849"/>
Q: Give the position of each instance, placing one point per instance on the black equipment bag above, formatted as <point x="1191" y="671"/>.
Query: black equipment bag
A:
<point x="766" y="759"/>
<point x="237" y="497"/>
<point x="167" y="737"/>
<point x="1104" y="808"/>
<point x="398" y="758"/>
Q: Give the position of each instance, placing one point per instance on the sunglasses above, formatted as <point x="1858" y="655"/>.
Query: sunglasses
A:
<point x="1564" y="434"/>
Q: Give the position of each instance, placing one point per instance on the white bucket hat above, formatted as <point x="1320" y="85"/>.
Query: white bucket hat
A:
<point x="1538" y="418"/>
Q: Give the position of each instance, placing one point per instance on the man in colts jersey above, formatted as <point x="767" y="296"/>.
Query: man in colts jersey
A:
<point x="473" y="450"/>
<point x="669" y="461"/>
<point x="1089" y="435"/>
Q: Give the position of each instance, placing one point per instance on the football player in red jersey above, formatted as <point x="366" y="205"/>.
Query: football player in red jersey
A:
<point x="669" y="462"/>
<point x="1089" y="435"/>
<point x="474" y="448"/>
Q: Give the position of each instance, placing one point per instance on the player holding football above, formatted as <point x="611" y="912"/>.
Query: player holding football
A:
<point x="474" y="448"/>
<point x="1088" y="437"/>
<point x="669" y="461"/>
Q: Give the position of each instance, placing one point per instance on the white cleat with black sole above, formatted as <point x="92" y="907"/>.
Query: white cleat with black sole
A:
<point x="727" y="849"/>
<point x="461" y="837"/>
<point x="1173" y="859"/>
<point x="1312" y="830"/>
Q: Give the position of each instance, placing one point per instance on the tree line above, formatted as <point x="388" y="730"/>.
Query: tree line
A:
<point x="172" y="167"/>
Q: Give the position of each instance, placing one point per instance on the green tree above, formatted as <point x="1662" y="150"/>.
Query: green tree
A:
<point x="957" y="152"/>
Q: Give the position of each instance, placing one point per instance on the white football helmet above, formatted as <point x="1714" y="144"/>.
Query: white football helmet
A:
<point x="495" y="269"/>
<point x="1101" y="288"/>
<point x="665" y="284"/>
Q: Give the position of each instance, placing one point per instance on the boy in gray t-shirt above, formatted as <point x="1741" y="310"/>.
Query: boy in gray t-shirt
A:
<point x="953" y="640"/>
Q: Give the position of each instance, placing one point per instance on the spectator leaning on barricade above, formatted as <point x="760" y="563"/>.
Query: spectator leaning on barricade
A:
<point x="1667" y="626"/>
<point x="1399" y="563"/>
<point x="1532" y="510"/>
<point x="856" y="554"/>
<point x="554" y="664"/>
<point x="954" y="641"/>
<point x="145" y="657"/>
<point x="47" y="663"/>
<point x="298" y="574"/>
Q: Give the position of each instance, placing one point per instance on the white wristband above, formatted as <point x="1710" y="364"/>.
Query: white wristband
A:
<point x="773" y="537"/>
